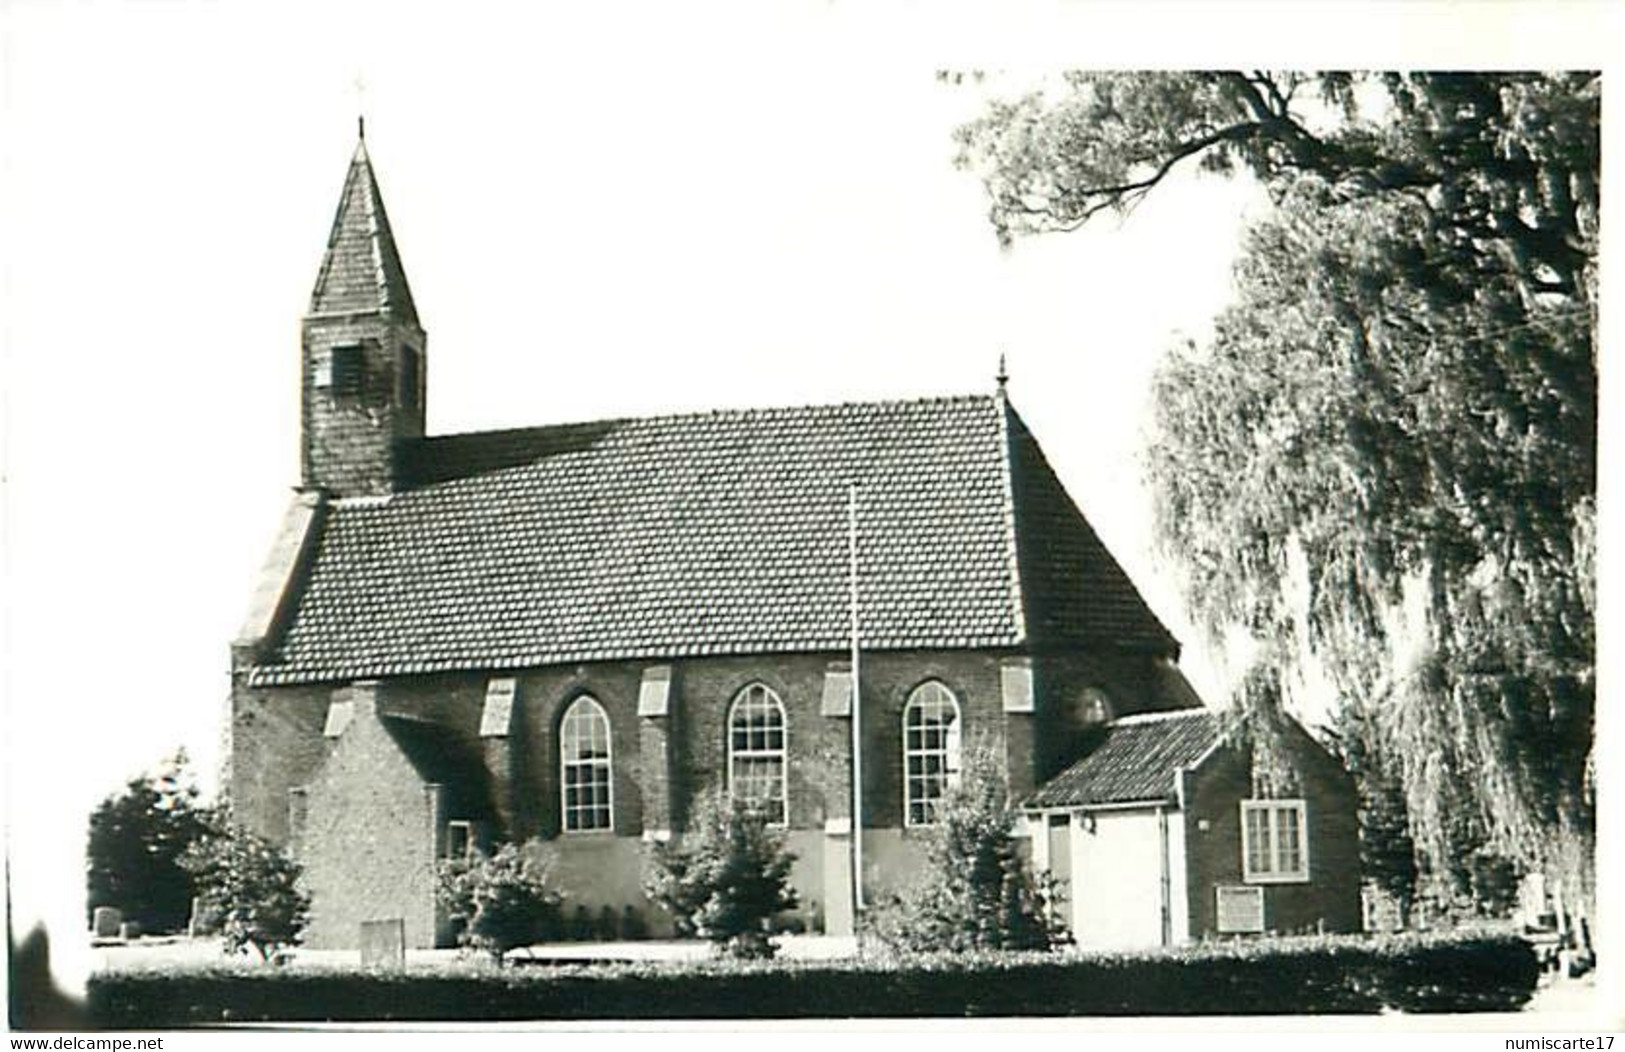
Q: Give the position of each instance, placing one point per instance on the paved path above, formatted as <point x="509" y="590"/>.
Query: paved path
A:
<point x="156" y="954"/>
<point x="1576" y="998"/>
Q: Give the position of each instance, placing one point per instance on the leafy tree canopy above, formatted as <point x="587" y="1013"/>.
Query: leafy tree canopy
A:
<point x="136" y="839"/>
<point x="252" y="886"/>
<point x="1385" y="460"/>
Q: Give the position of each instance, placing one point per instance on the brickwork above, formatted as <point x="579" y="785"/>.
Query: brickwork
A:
<point x="278" y="730"/>
<point x="505" y="787"/>
<point x="276" y="744"/>
<point x="662" y="762"/>
<point x="658" y="741"/>
<point x="371" y="838"/>
<point x="1060" y="679"/>
<point x="1331" y="897"/>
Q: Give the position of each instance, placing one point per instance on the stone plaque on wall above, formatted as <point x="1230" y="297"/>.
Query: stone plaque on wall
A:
<point x="383" y="943"/>
<point x="1241" y="908"/>
<point x="1016" y="681"/>
<point x="654" y="693"/>
<point x="496" y="719"/>
<point x="837" y="698"/>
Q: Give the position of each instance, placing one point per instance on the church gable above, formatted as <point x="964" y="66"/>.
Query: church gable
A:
<point x="1074" y="593"/>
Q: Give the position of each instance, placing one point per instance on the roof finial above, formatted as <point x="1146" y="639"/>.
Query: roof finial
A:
<point x="1003" y="376"/>
<point x="360" y="86"/>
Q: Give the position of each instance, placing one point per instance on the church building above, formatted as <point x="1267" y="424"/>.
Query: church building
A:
<point x="569" y="632"/>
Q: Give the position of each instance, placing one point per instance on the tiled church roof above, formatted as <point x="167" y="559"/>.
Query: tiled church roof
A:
<point x="716" y="533"/>
<point x="361" y="272"/>
<point x="1135" y="761"/>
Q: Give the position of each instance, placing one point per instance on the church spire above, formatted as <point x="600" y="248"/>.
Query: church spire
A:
<point x="363" y="352"/>
<point x="362" y="272"/>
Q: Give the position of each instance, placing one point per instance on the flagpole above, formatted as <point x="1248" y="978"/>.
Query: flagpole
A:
<point x="857" y="709"/>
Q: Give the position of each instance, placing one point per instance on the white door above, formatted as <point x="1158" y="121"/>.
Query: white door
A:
<point x="1117" y="874"/>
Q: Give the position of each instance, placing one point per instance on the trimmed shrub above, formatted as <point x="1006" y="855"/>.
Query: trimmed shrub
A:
<point x="1339" y="974"/>
<point x="729" y="878"/>
<point x="252" y="886"/>
<point x="502" y="900"/>
<point x="976" y="892"/>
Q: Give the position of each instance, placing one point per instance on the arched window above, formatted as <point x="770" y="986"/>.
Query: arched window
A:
<point x="930" y="751"/>
<point x="1093" y="706"/>
<point x="584" y="763"/>
<point x="756" y="764"/>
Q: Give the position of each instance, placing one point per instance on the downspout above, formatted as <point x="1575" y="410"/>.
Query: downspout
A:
<point x="857" y="712"/>
<point x="1166" y="893"/>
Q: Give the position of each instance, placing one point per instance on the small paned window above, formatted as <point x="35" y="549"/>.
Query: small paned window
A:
<point x="1274" y="842"/>
<point x="339" y="369"/>
<point x="584" y="760"/>
<point x="931" y="735"/>
<point x="756" y="752"/>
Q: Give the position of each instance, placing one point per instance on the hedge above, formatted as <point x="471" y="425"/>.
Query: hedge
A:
<point x="1335" y="974"/>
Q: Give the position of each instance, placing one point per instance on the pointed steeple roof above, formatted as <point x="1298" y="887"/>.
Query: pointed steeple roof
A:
<point x="362" y="272"/>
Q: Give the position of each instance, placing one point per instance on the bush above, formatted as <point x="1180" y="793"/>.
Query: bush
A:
<point x="976" y="893"/>
<point x="502" y="900"/>
<point x="1315" y="975"/>
<point x="252" y="886"/>
<point x="136" y="841"/>
<point x="728" y="879"/>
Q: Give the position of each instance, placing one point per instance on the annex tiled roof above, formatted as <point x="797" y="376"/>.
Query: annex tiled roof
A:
<point x="361" y="271"/>
<point x="1135" y="760"/>
<point x="713" y="533"/>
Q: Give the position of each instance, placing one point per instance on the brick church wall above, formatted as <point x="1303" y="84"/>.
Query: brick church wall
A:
<point x="663" y="762"/>
<point x="276" y="744"/>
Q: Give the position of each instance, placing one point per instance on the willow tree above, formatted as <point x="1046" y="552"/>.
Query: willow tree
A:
<point x="1384" y="461"/>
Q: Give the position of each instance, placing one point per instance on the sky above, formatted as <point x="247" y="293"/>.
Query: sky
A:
<point x="603" y="212"/>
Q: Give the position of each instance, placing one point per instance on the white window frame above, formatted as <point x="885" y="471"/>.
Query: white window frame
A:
<point x="1274" y="812"/>
<point x="781" y="754"/>
<point x="593" y="708"/>
<point x="951" y="752"/>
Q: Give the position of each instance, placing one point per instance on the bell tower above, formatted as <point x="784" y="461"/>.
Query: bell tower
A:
<point x="363" y="367"/>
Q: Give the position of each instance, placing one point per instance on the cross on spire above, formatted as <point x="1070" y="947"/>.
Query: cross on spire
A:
<point x="1003" y="376"/>
<point x="360" y="86"/>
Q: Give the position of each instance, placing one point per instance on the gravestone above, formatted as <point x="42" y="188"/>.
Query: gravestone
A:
<point x="383" y="943"/>
<point x="129" y="931"/>
<point x="105" y="922"/>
